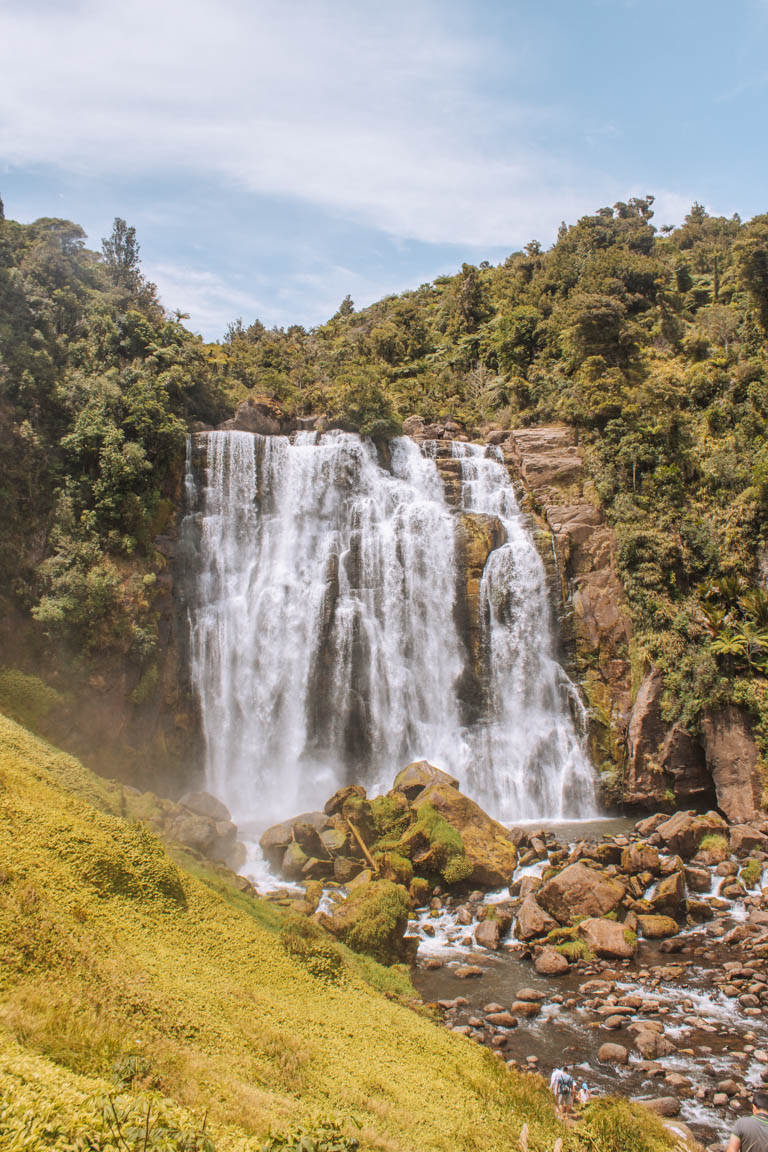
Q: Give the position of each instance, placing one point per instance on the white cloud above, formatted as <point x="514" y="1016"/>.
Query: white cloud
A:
<point x="379" y="113"/>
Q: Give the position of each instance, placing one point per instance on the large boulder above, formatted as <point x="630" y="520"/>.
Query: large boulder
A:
<point x="417" y="776"/>
<point x="640" y="857"/>
<point x="745" y="838"/>
<point x="276" y="839"/>
<point x="487" y="844"/>
<point x="608" y="938"/>
<point x="682" y="833"/>
<point x="205" y="805"/>
<point x="550" y="962"/>
<point x="373" y="920"/>
<point x="256" y="414"/>
<point x="215" y="839"/>
<point x="580" y="891"/>
<point x="733" y="760"/>
<point x="657" y="927"/>
<point x="668" y="896"/>
<point x="533" y="921"/>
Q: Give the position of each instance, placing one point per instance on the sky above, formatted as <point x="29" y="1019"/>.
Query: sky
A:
<point x="277" y="155"/>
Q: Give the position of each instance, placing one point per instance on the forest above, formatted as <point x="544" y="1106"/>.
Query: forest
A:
<point x="651" y="343"/>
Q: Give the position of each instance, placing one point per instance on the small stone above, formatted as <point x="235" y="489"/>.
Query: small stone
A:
<point x="613" y="1054"/>
<point x="468" y="971"/>
<point x="550" y="962"/>
<point x="533" y="995"/>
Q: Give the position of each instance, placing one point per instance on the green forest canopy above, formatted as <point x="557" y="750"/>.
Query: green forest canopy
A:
<point x="651" y="343"/>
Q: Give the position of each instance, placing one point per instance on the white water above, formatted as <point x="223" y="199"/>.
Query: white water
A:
<point x="323" y="645"/>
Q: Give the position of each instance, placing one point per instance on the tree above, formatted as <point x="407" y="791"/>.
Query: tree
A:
<point x="121" y="253"/>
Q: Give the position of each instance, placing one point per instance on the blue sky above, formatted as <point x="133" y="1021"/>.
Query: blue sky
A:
<point x="275" y="155"/>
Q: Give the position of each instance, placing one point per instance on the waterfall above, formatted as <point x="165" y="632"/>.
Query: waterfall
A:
<point x="528" y="758"/>
<point x="323" y="641"/>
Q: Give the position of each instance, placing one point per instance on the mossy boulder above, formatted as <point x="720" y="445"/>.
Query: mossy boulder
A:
<point x="657" y="927"/>
<point x="489" y="852"/>
<point x="373" y="920"/>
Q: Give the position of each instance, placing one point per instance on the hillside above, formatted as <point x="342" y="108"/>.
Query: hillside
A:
<point x="650" y="344"/>
<point x="123" y="974"/>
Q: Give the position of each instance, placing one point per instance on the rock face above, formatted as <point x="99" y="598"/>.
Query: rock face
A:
<point x="580" y="891"/>
<point x="477" y="535"/>
<point x="732" y="757"/>
<point x="256" y="414"/>
<point x="661" y="759"/>
<point x="487" y="844"/>
<point x="547" y="463"/>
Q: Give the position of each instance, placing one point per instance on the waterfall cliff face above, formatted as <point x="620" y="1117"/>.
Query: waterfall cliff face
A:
<point x="326" y="644"/>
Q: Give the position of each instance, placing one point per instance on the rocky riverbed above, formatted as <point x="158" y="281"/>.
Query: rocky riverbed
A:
<point x="635" y="952"/>
<point x="680" y="1023"/>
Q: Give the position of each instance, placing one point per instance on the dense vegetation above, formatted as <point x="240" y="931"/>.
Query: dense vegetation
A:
<point x="653" y="344"/>
<point x="146" y="1003"/>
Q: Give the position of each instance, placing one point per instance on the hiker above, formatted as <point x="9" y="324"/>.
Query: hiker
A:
<point x="584" y="1096"/>
<point x="561" y="1084"/>
<point x="750" y="1133"/>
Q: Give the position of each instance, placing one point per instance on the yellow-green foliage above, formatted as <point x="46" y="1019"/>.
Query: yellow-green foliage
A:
<point x="616" y="1125"/>
<point x="26" y="698"/>
<point x="100" y="959"/>
<point x="713" y="843"/>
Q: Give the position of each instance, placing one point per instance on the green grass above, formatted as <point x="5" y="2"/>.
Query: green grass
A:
<point x="129" y="972"/>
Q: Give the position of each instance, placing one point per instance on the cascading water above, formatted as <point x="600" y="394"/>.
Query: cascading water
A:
<point x="324" y="647"/>
<point x="528" y="755"/>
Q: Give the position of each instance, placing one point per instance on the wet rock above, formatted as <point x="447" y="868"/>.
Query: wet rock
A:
<point x="697" y="879"/>
<point x="608" y="938"/>
<point x="488" y="934"/>
<point x="533" y="921"/>
<point x="661" y="1105"/>
<point x="417" y="776"/>
<point x="468" y="971"/>
<point x="579" y="891"/>
<point x="550" y="962"/>
<point x="682" y="833"/>
<point x="657" y="927"/>
<point x="493" y="1007"/>
<point x="728" y="1087"/>
<point x="502" y="1019"/>
<point x="640" y="857"/>
<point x="744" y="838"/>
<point x="668" y="895"/>
<point x="525" y="1008"/>
<point x="531" y="995"/>
<point x="529" y="886"/>
<point x="613" y="1023"/>
<point x="652" y="1045"/>
<point x="613" y="1054"/>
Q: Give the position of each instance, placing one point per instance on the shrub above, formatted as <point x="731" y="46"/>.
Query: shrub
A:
<point x="321" y="1134"/>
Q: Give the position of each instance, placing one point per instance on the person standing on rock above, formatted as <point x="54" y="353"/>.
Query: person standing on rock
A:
<point x="561" y="1085"/>
<point x="750" y="1133"/>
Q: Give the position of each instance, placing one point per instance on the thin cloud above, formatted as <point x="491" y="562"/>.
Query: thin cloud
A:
<point x="383" y="117"/>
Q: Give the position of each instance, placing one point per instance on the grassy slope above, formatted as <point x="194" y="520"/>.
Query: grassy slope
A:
<point x="108" y="948"/>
